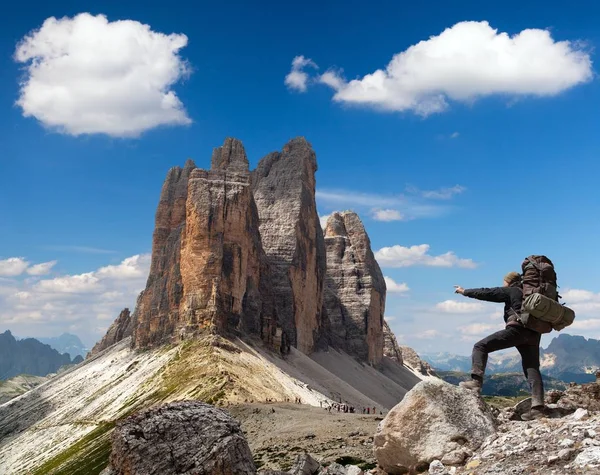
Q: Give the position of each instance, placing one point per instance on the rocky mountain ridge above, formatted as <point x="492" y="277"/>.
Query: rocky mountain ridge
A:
<point x="569" y="358"/>
<point x="29" y="356"/>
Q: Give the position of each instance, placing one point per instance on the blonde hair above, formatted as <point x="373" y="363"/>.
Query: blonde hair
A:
<point x="512" y="277"/>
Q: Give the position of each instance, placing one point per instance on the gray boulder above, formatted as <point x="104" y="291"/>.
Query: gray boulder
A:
<point x="305" y="465"/>
<point x="184" y="438"/>
<point x="434" y="421"/>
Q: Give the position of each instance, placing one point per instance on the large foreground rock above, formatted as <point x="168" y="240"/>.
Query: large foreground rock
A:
<point x="185" y="438"/>
<point x="435" y="420"/>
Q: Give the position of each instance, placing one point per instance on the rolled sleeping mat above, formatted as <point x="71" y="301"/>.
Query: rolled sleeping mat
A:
<point x="549" y="311"/>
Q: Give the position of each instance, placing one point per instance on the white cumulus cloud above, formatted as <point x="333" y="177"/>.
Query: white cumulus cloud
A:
<point x="86" y="75"/>
<point x="401" y="256"/>
<point x="297" y="78"/>
<point x="13" y="266"/>
<point x="387" y="215"/>
<point x="395" y="287"/>
<point x="467" y="61"/>
<point x="42" y="268"/>
<point x="80" y="303"/>
<point x="478" y="329"/>
<point x="453" y="306"/>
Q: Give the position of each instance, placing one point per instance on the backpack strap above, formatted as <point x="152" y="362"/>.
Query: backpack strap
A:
<point x="534" y="264"/>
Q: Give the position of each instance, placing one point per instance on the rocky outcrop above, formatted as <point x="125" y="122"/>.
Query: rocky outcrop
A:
<point x="391" y="348"/>
<point x="180" y="438"/>
<point x="284" y="191"/>
<point x="355" y="289"/>
<point x="411" y="358"/>
<point x="568" y="441"/>
<point x="121" y="328"/>
<point x="434" y="421"/>
<point x="209" y="271"/>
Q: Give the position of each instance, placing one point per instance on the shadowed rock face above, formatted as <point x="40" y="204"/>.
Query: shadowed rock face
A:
<point x="208" y="270"/>
<point x="355" y="289"/>
<point x="121" y="328"/>
<point x="284" y="191"/>
<point x="157" y="310"/>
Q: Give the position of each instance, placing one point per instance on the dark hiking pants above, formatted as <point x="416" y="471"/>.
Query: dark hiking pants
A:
<point x="527" y="343"/>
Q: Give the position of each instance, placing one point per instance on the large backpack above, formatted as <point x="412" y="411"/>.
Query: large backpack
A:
<point x="540" y="310"/>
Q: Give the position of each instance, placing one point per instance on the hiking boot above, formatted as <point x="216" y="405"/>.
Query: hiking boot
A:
<point x="472" y="385"/>
<point x="535" y="413"/>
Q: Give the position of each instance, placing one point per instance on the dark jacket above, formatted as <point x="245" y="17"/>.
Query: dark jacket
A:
<point x="511" y="296"/>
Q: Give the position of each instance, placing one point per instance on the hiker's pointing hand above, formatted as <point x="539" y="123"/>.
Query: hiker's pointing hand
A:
<point x="458" y="289"/>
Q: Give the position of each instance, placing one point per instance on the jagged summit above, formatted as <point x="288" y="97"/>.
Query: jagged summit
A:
<point x="231" y="156"/>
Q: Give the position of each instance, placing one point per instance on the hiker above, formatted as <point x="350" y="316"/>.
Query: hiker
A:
<point x="526" y="341"/>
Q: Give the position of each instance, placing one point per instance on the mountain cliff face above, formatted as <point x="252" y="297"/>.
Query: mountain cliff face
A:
<point x="355" y="289"/>
<point x="243" y="252"/>
<point x="209" y="271"/>
<point x="284" y="191"/>
<point x="28" y="356"/>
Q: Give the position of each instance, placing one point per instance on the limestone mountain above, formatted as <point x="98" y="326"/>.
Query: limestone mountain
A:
<point x="29" y="356"/>
<point x="236" y="252"/>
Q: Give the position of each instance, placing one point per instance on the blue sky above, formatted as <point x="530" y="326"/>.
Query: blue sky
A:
<point x="490" y="158"/>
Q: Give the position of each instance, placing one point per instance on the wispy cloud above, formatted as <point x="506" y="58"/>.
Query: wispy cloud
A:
<point x="401" y="256"/>
<point x="454" y="306"/>
<point x="384" y="207"/>
<point x="427" y="334"/>
<point x="79" y="249"/>
<point x="444" y="193"/>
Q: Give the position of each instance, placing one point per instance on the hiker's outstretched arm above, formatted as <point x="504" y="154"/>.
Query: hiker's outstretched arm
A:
<point x="489" y="294"/>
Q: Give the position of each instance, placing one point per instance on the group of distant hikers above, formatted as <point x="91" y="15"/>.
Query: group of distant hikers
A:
<point x="530" y="308"/>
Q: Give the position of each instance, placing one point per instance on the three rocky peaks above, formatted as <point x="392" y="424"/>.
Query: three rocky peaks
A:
<point x="240" y="251"/>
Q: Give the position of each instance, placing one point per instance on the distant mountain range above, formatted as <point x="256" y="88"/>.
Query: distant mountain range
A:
<point x="66" y="343"/>
<point x="30" y="356"/>
<point x="505" y="384"/>
<point x="568" y="358"/>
